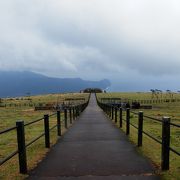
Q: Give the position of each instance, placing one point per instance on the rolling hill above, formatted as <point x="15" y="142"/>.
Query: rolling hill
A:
<point x="14" y="84"/>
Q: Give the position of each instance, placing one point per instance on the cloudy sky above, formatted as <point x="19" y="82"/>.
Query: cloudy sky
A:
<point x="133" y="43"/>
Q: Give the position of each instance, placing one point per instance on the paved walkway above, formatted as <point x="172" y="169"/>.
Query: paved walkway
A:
<point x="93" y="149"/>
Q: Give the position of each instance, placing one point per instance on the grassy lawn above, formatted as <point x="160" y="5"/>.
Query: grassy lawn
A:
<point x="150" y="148"/>
<point x="137" y="95"/>
<point x="23" y="109"/>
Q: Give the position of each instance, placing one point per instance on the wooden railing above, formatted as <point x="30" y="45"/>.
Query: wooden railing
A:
<point x="115" y="112"/>
<point x="141" y="101"/>
<point x="70" y="114"/>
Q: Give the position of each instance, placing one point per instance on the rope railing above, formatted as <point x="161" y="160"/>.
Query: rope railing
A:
<point x="176" y="125"/>
<point x="35" y="139"/>
<point x="8" y="157"/>
<point x="70" y="114"/>
<point x="111" y="111"/>
<point x="32" y="122"/>
<point x="7" y="130"/>
<point x="112" y="100"/>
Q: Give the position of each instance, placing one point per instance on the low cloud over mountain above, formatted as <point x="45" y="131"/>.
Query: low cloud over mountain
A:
<point x="23" y="83"/>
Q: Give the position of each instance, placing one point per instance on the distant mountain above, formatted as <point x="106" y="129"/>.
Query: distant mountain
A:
<point x="22" y="83"/>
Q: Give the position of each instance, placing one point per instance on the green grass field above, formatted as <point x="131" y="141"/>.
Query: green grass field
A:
<point x="21" y="109"/>
<point x="150" y="148"/>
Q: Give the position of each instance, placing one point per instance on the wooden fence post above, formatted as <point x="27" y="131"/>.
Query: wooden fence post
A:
<point x="73" y="113"/>
<point x="165" y="143"/>
<point x="112" y="112"/>
<point x="65" y="118"/>
<point x="21" y="147"/>
<point x="70" y="115"/>
<point x="77" y="111"/>
<point x="120" y="117"/>
<point x="127" y="121"/>
<point x="106" y="109"/>
<point x="46" y="131"/>
<point x="59" y="123"/>
<point x="115" y="114"/>
<point x="140" y="128"/>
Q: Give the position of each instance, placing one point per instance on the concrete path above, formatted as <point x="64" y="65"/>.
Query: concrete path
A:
<point x="93" y="149"/>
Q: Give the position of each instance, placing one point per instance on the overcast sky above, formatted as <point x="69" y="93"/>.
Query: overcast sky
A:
<point x="134" y="43"/>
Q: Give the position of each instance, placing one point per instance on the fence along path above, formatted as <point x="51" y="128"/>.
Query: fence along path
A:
<point x="93" y="148"/>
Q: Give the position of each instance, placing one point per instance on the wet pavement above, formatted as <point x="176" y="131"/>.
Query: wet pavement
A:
<point x="94" y="149"/>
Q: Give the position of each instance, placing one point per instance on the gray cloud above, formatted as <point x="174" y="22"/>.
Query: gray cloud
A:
<point x="91" y="39"/>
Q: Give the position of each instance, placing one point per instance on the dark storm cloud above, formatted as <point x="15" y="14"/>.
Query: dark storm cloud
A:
<point x="91" y="39"/>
